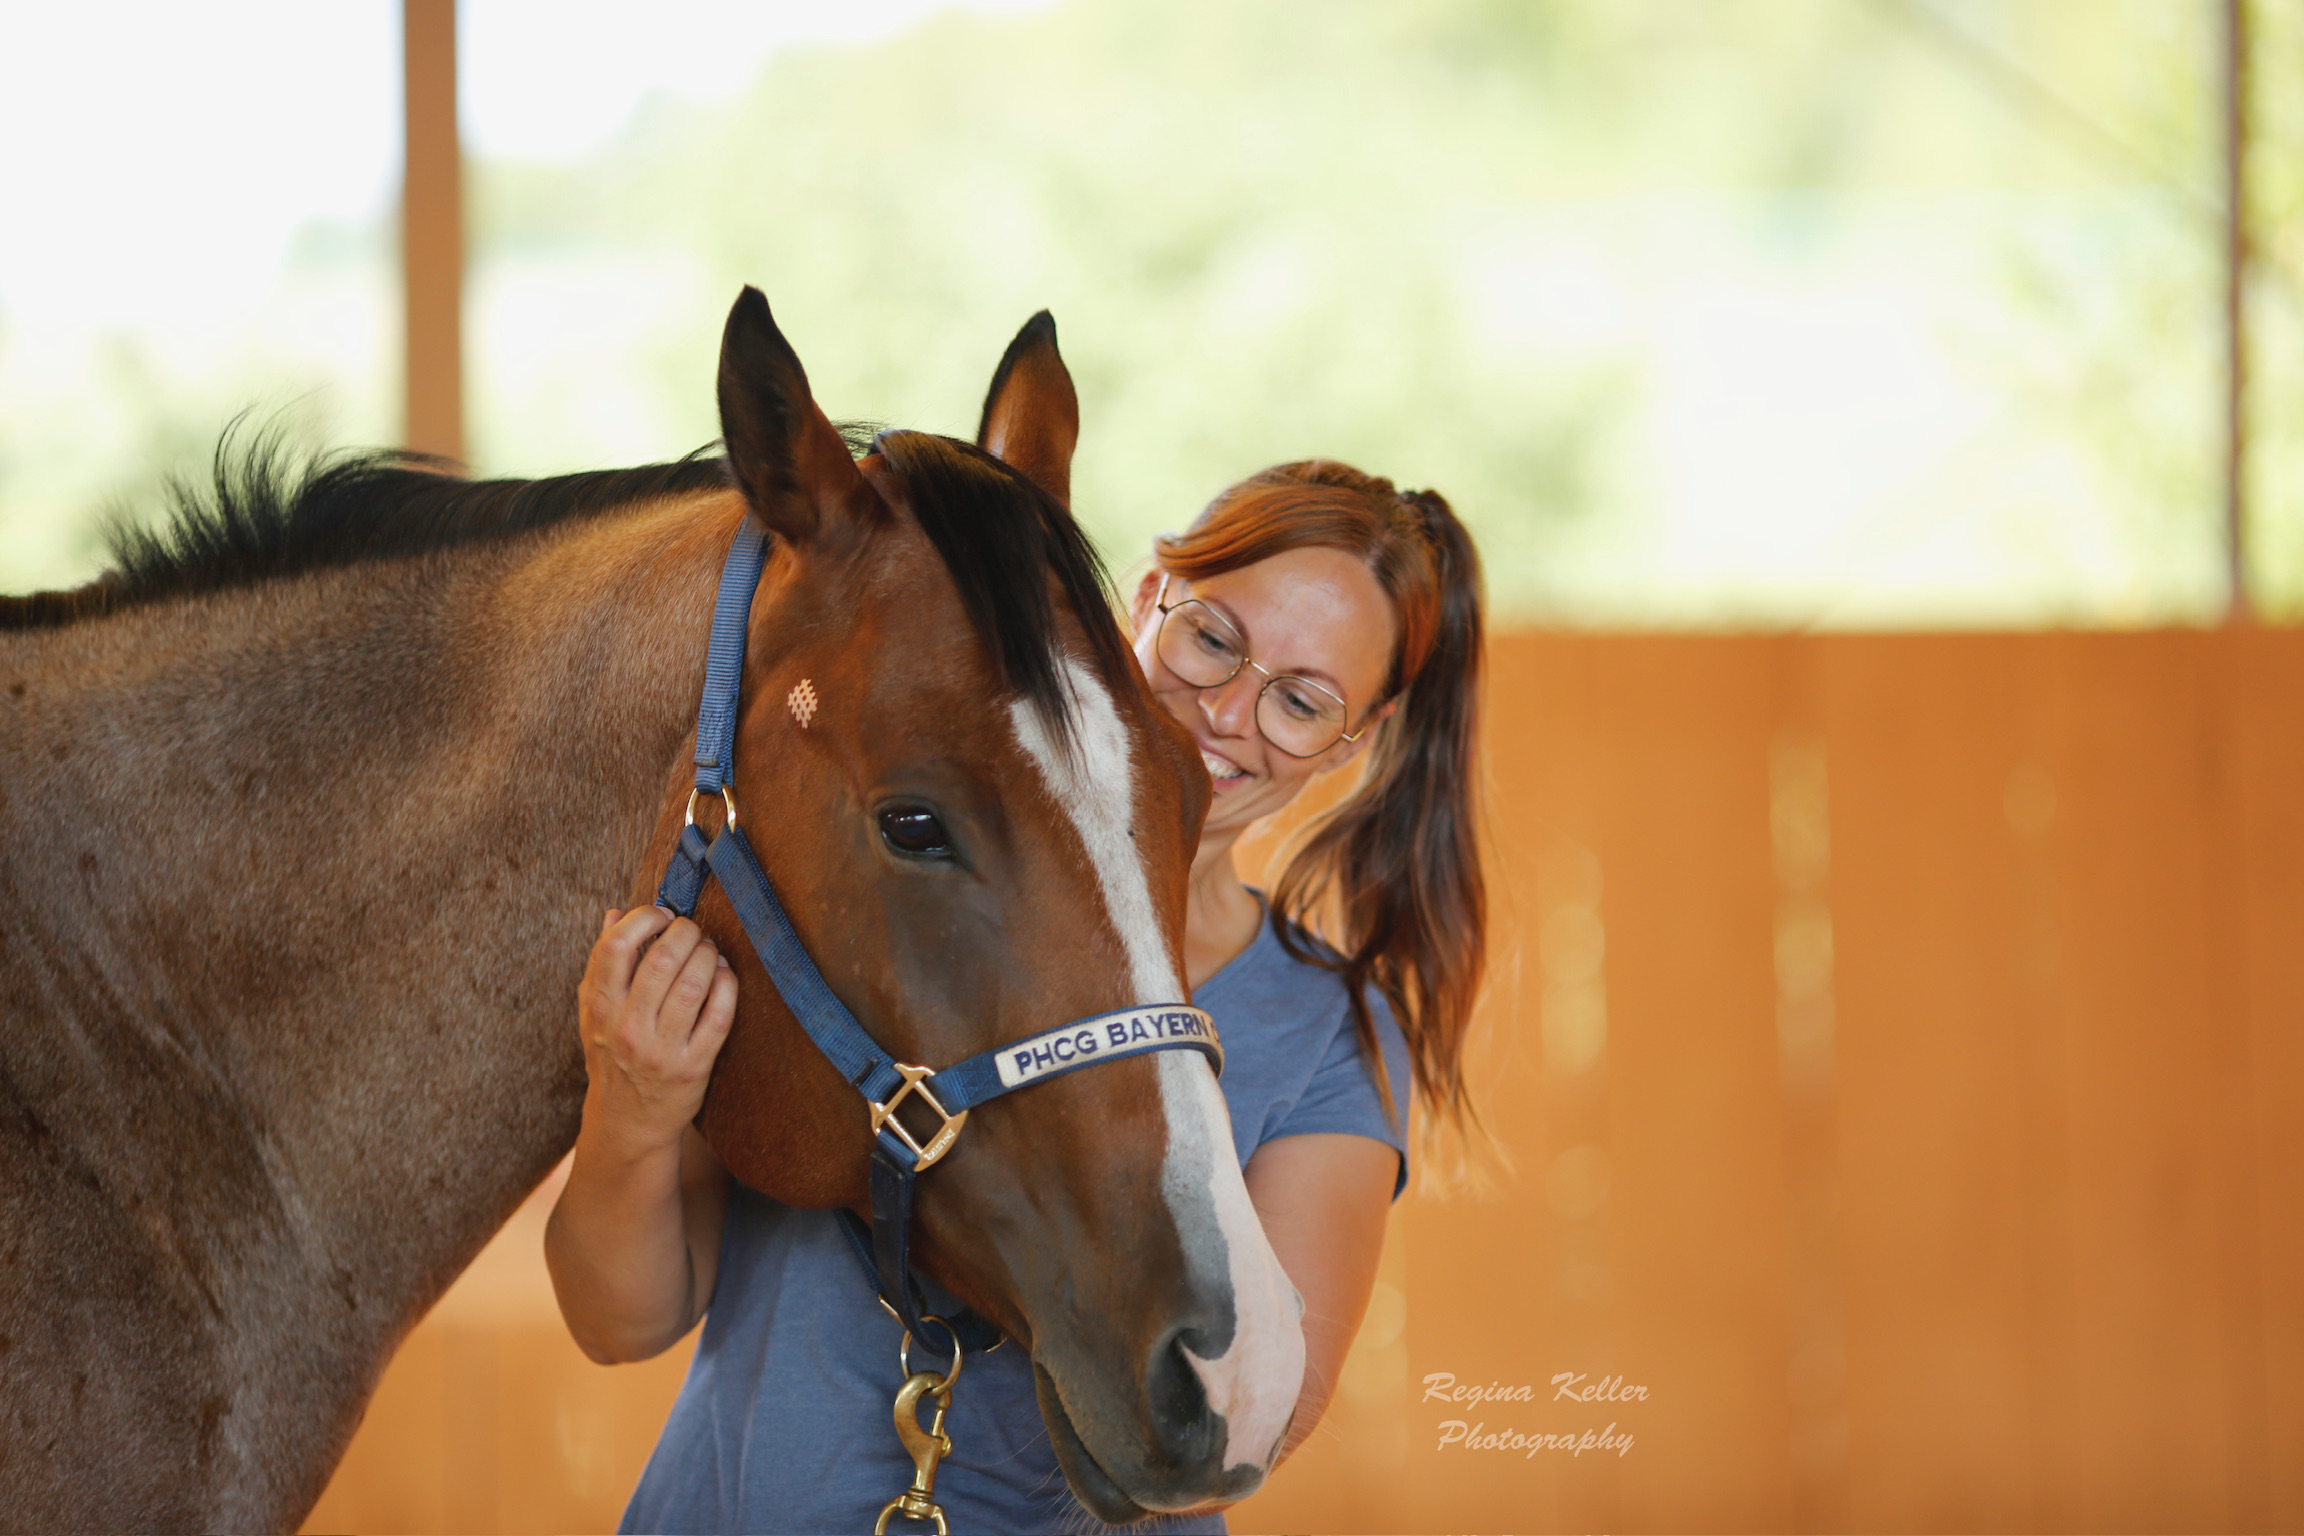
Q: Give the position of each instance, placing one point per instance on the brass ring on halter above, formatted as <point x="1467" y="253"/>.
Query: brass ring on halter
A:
<point x="997" y="1344"/>
<point x="904" y="1350"/>
<point x="727" y="800"/>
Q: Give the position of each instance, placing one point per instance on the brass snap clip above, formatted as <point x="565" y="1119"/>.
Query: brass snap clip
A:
<point x="927" y="1447"/>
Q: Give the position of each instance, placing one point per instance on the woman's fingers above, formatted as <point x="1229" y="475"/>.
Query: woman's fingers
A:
<point x="616" y="954"/>
<point x="685" y="997"/>
<point x="661" y="966"/>
<point x="657" y="1002"/>
<point x="719" y="1012"/>
<point x="653" y="986"/>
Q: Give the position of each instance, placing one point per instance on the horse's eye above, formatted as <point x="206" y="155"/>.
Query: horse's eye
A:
<point x="913" y="831"/>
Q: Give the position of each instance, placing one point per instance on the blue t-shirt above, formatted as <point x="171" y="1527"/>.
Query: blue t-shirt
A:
<point x="784" y="1421"/>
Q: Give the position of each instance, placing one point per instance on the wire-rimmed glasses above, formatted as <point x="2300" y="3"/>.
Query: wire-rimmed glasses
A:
<point x="1200" y="646"/>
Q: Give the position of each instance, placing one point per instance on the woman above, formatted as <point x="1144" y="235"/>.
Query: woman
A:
<point x="1311" y="616"/>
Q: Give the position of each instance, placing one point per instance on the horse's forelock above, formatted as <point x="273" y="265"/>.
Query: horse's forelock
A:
<point x="1002" y="538"/>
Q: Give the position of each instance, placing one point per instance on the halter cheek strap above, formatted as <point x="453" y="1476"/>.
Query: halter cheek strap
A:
<point x="898" y="1155"/>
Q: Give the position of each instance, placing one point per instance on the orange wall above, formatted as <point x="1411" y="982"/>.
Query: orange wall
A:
<point x="1899" y="1042"/>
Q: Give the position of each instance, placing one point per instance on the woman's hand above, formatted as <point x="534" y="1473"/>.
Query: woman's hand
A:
<point x="653" y="1017"/>
<point x="634" y="1243"/>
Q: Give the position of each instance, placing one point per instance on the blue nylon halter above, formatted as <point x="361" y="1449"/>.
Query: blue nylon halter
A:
<point x="897" y="1157"/>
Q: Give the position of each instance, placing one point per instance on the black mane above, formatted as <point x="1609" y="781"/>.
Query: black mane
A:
<point x="1002" y="537"/>
<point x="261" y="518"/>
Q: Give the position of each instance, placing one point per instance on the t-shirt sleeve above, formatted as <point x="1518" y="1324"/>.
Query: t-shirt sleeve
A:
<point x="1342" y="1097"/>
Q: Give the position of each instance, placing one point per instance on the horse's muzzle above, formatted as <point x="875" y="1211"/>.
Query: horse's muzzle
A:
<point x="1180" y="1462"/>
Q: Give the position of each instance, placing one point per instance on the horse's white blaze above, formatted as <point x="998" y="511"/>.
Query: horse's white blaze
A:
<point x="1096" y="785"/>
<point x="1254" y="1382"/>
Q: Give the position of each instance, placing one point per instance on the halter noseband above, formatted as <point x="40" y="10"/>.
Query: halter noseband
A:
<point x="897" y="1156"/>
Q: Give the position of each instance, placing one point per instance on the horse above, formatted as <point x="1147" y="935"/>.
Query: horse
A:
<point x="308" y="812"/>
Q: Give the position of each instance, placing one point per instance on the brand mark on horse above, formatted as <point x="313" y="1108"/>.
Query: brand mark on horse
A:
<point x="802" y="702"/>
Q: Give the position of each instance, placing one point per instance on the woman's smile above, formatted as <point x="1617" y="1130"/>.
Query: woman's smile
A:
<point x="1227" y="774"/>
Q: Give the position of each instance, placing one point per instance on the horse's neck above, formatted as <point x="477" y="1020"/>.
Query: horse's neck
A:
<point x="297" y="881"/>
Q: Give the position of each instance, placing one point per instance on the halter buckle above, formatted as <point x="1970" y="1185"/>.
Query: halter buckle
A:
<point x="915" y="1086"/>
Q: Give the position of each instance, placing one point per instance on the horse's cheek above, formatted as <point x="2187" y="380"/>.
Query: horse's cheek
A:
<point x="770" y="1124"/>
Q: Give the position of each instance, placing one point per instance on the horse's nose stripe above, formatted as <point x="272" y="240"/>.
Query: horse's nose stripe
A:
<point x="1253" y="1380"/>
<point x="1095" y="783"/>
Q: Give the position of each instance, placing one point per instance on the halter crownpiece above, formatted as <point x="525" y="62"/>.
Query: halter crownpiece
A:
<point x="898" y="1156"/>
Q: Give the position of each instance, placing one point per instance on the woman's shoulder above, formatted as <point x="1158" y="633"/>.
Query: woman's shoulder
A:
<point x="1295" y="1060"/>
<point x="1288" y="971"/>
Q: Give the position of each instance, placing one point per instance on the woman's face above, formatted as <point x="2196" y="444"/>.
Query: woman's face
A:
<point x="1317" y="614"/>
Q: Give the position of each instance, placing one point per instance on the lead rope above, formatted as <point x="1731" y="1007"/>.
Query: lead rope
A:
<point x="927" y="1447"/>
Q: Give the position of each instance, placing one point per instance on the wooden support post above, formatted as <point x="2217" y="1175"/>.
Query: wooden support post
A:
<point x="432" y="231"/>
<point x="2235" y="61"/>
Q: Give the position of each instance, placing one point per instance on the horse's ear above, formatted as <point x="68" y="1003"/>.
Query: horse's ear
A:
<point x="787" y="459"/>
<point x="1031" y="415"/>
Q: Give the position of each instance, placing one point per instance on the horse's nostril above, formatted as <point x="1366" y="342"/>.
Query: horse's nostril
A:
<point x="1183" y="1424"/>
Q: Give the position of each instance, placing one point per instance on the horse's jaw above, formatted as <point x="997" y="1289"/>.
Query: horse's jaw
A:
<point x="1094" y="1488"/>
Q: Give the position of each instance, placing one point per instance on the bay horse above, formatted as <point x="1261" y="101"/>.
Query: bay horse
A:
<point x="308" y="811"/>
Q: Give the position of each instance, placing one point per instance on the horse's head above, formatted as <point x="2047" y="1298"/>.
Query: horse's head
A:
<point x="982" y="824"/>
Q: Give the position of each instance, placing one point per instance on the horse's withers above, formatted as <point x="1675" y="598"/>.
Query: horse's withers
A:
<point x="939" y="611"/>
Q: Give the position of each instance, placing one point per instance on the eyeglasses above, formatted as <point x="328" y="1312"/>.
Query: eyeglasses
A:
<point x="1295" y="714"/>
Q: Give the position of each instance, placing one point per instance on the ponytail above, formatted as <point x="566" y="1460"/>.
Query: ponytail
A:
<point x="1391" y="876"/>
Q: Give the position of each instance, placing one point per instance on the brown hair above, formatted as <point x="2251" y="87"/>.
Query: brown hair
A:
<point x="1395" y="867"/>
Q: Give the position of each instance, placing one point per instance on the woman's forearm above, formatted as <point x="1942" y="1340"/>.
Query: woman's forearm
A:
<point x="1323" y="1200"/>
<point x="635" y="1238"/>
<point x="632" y="1243"/>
